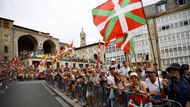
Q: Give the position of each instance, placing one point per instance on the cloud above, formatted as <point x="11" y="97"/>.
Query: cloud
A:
<point x="63" y="19"/>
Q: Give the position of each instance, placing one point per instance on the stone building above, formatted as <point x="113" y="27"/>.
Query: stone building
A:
<point x="89" y="52"/>
<point x="18" y="41"/>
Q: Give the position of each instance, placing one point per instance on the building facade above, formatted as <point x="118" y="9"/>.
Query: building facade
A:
<point x="168" y="38"/>
<point x="18" y="41"/>
<point x="90" y="52"/>
<point x="173" y="30"/>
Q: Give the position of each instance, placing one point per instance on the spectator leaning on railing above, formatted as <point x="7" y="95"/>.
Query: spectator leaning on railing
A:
<point x="178" y="86"/>
<point x="86" y="79"/>
<point x="136" y="85"/>
<point x="7" y="75"/>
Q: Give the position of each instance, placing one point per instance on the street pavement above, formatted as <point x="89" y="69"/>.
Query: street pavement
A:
<point x="30" y="94"/>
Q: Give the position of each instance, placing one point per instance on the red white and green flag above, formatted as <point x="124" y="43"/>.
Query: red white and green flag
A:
<point x="67" y="51"/>
<point x="43" y="62"/>
<point x="138" y="101"/>
<point x="127" y="42"/>
<point x="70" y="47"/>
<point x="116" y="18"/>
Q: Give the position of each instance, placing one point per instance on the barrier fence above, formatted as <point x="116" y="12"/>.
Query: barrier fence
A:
<point x="101" y="96"/>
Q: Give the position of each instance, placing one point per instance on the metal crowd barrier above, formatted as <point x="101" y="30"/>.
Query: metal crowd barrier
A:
<point x="101" y="96"/>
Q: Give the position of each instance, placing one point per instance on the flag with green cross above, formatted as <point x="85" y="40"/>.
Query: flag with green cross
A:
<point x="115" y="19"/>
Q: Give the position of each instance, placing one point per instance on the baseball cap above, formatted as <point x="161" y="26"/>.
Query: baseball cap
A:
<point x="150" y="70"/>
<point x="113" y="59"/>
<point x="134" y="74"/>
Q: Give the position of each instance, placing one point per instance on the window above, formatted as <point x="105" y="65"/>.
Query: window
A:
<point x="186" y="60"/>
<point x="109" y="49"/>
<point x="113" y="48"/>
<point x="6" y="38"/>
<point x="187" y="36"/>
<point x="180" y="24"/>
<point x="172" y="26"/>
<point x="181" y="2"/>
<point x="179" y="48"/>
<point x="162" y="51"/>
<point x="163" y="27"/>
<point x="173" y="38"/>
<point x="178" y="36"/>
<point x="169" y="37"/>
<point x="161" y="7"/>
<point x="185" y="22"/>
<point x="176" y="25"/>
<point x="180" y="15"/>
<point x="6" y="49"/>
<point x="184" y="49"/>
<point x="181" y="60"/>
<point x="167" y="26"/>
<point x="6" y="24"/>
<point x="172" y="60"/>
<point x="182" y="35"/>
<point x="188" y="49"/>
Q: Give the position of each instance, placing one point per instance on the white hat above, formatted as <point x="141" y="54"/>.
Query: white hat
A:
<point x="134" y="74"/>
<point x="113" y="59"/>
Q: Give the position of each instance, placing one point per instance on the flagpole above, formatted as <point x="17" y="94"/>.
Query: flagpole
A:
<point x="133" y="50"/>
<point x="149" y="33"/>
<point x="157" y="43"/>
<point x="135" y="57"/>
<point x="127" y="59"/>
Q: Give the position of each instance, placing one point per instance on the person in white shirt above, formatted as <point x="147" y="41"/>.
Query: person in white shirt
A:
<point x="113" y="63"/>
<point x="125" y="69"/>
<point x="154" y="84"/>
<point x="110" y="78"/>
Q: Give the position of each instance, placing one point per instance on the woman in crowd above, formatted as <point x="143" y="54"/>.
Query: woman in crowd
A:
<point x="135" y="84"/>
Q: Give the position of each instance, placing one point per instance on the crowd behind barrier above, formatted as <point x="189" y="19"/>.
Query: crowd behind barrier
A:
<point x="7" y="75"/>
<point x="27" y="54"/>
<point x="92" y="88"/>
<point x="101" y="87"/>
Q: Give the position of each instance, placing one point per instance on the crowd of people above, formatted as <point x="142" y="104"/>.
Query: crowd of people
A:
<point x="26" y="54"/>
<point x="172" y="84"/>
<point x="7" y="75"/>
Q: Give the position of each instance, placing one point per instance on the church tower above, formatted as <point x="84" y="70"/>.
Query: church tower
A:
<point x="82" y="38"/>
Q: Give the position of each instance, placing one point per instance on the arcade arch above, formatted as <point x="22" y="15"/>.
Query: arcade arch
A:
<point x="27" y="44"/>
<point x="49" y="47"/>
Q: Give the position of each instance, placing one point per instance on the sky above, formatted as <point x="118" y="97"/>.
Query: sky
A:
<point x="63" y="19"/>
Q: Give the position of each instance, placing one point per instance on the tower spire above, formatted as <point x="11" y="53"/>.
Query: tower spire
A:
<point x="82" y="38"/>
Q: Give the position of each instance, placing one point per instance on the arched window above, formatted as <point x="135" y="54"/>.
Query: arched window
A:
<point x="6" y="49"/>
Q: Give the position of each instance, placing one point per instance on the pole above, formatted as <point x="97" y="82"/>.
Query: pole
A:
<point x="135" y="57"/>
<point x="149" y="34"/>
<point x="157" y="43"/>
<point x="127" y="59"/>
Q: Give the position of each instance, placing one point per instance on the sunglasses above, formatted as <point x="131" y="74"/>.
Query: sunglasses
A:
<point x="149" y="72"/>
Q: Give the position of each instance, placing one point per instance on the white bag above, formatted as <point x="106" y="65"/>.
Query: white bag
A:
<point x="111" y="96"/>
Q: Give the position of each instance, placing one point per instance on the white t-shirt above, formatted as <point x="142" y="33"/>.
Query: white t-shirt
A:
<point x="154" y="87"/>
<point x="110" y="79"/>
<point x="124" y="70"/>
